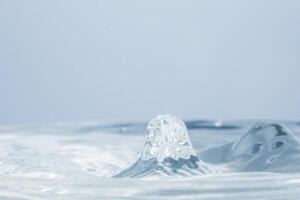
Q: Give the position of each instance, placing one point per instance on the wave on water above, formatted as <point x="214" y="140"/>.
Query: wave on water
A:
<point x="168" y="151"/>
<point x="220" y="162"/>
<point x="265" y="147"/>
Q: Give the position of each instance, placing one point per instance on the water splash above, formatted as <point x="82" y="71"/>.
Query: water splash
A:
<point x="167" y="137"/>
<point x="168" y="151"/>
<point x="265" y="147"/>
<point x="263" y="138"/>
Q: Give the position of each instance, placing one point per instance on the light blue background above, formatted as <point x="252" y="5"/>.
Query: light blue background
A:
<point x="130" y="60"/>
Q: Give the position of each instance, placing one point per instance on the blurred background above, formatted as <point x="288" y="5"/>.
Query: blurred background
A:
<point x="71" y="60"/>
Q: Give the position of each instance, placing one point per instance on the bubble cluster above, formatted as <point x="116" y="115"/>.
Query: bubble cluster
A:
<point x="167" y="137"/>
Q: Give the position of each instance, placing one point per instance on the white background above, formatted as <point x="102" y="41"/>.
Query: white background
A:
<point x="130" y="60"/>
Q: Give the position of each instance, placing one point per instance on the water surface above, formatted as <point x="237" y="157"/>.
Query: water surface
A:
<point x="80" y="161"/>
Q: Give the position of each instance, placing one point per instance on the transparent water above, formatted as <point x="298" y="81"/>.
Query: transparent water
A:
<point x="237" y="160"/>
